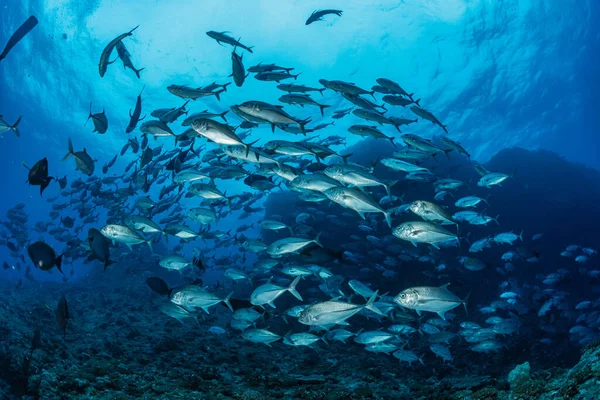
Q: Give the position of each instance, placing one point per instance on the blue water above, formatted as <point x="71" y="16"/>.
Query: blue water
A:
<point x="499" y="74"/>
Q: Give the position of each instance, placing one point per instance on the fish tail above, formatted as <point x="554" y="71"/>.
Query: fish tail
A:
<point x="316" y="240"/>
<point x="226" y="301"/>
<point x="149" y="243"/>
<point x="14" y="127"/>
<point x="497" y="223"/>
<point x="417" y="102"/>
<point x="58" y="262"/>
<point x="324" y="339"/>
<point x="222" y="115"/>
<point x="465" y="301"/>
<point x="70" y="153"/>
<point x="292" y="288"/>
<point x="370" y="305"/>
<point x="388" y="216"/>
<point x="521" y="236"/>
<point x="323" y="107"/>
<point x="218" y="93"/>
<point x="137" y="72"/>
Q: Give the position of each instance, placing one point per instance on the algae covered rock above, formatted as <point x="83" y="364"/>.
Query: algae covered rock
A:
<point x="519" y="376"/>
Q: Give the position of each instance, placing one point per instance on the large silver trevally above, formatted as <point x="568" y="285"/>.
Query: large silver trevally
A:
<point x="335" y="312"/>
<point x="191" y="297"/>
<point x="431" y="212"/>
<point x="267" y="293"/>
<point x="423" y="232"/>
<point x="430" y="298"/>
<point x="356" y="200"/>
<point x="124" y="234"/>
<point x="290" y="245"/>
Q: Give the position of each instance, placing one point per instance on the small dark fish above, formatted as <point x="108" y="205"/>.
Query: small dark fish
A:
<point x="319" y="14"/>
<point x="100" y="247"/>
<point x="159" y="286"/>
<point x="134" y="117"/>
<point x="100" y="121"/>
<point x="44" y="257"/>
<point x="221" y="37"/>
<point x="62" y="182"/>
<point x="38" y="174"/>
<point x="238" y="72"/>
<point x="19" y="34"/>
<point x="197" y="262"/>
<point x="11" y="246"/>
<point x="5" y="265"/>
<point x="36" y="340"/>
<point x="126" y="58"/>
<point x="62" y="314"/>
<point x="68" y="222"/>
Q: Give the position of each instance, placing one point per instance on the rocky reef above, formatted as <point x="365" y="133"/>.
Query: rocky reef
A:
<point x="118" y="346"/>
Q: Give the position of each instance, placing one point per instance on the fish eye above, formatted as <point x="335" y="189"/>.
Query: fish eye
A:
<point x="402" y="296"/>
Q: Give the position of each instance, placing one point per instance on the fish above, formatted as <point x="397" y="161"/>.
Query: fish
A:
<point x="124" y="234"/>
<point x="38" y="175"/>
<point x="5" y="127"/>
<point x="106" y="52"/>
<point x="158" y="286"/>
<point x="222" y="37"/>
<point x="267" y="293"/>
<point x="421" y="112"/>
<point x="62" y="314"/>
<point x="99" y="120"/>
<point x="430" y="298"/>
<point x="186" y="92"/>
<point x="18" y="35"/>
<point x="191" y="297"/>
<point x="291" y="245"/>
<point x="357" y="201"/>
<point x="423" y="232"/>
<point x="260" y="336"/>
<point x="335" y="312"/>
<point x="134" y="117"/>
<point x="100" y="247"/>
<point x="126" y="58"/>
<point x="83" y="161"/>
<point x="319" y="14"/>
<point x="44" y="257"/>
<point x="238" y="72"/>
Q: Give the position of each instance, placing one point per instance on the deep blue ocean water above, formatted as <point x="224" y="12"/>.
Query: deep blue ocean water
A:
<point x="514" y="82"/>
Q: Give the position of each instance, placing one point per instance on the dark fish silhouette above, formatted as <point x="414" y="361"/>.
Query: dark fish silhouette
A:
<point x="38" y="174"/>
<point x="19" y="34"/>
<point x="159" y="286"/>
<point x="319" y="14"/>
<point x="44" y="257"/>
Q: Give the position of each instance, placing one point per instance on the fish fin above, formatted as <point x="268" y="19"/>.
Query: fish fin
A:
<point x="418" y="312"/>
<point x="465" y="301"/>
<point x="14" y="127"/>
<point x="442" y="315"/>
<point x="371" y="304"/>
<point x="388" y="216"/>
<point x="437" y="246"/>
<point x="343" y="323"/>
<point x="292" y="289"/>
<point x="226" y="301"/>
<point x="137" y="71"/>
<point x="316" y="240"/>
<point x="58" y="263"/>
